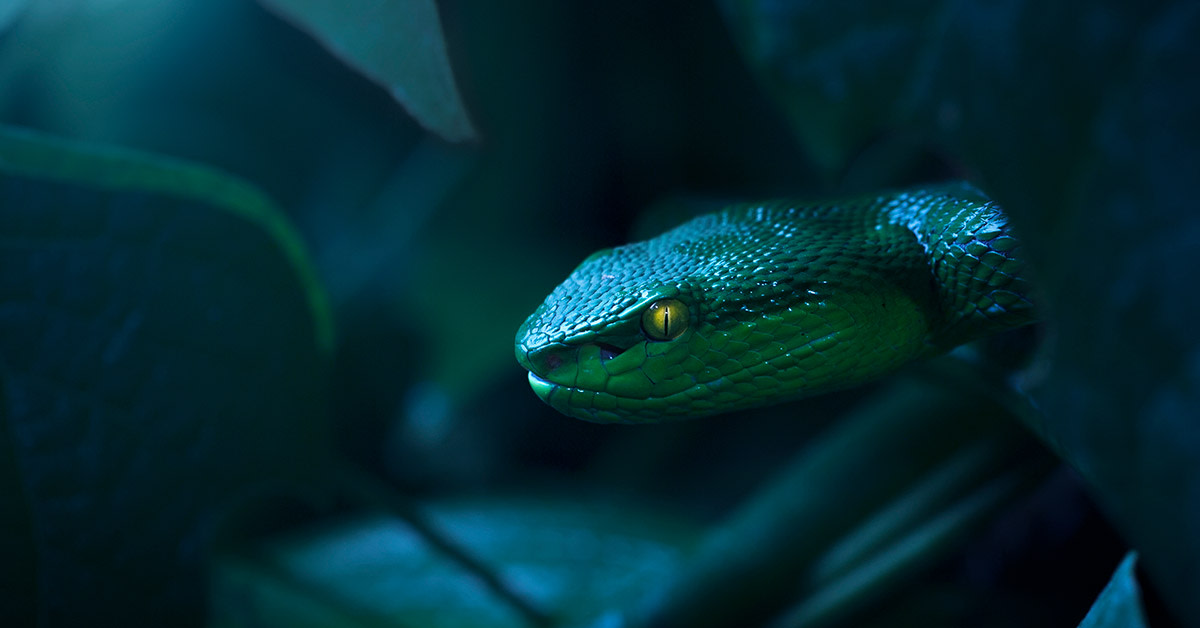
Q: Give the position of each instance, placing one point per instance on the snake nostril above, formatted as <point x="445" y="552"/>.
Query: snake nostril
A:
<point x="551" y="357"/>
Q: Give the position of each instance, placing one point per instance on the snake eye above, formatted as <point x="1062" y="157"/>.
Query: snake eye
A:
<point x="665" y="319"/>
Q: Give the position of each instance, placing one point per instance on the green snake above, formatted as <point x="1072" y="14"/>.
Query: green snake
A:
<point x="766" y="302"/>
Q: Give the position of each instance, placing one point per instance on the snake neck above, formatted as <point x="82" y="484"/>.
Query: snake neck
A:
<point x="975" y="261"/>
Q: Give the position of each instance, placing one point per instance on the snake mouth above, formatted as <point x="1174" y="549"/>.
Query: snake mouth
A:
<point x="559" y="397"/>
<point x="549" y="361"/>
<point x="608" y="352"/>
<point x="541" y="387"/>
<point x="561" y="374"/>
<point x="602" y="383"/>
<point x="553" y="360"/>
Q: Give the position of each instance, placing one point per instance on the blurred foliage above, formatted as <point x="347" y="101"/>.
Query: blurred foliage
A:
<point x="1081" y="119"/>
<point x="9" y="11"/>
<point x="1120" y="602"/>
<point x="165" y="358"/>
<point x="399" y="45"/>
<point x="583" y="559"/>
<point x="165" y="351"/>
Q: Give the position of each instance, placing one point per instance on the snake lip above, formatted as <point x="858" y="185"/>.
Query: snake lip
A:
<point x="541" y="387"/>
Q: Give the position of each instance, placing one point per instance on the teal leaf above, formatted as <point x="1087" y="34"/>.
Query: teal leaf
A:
<point x="1120" y="604"/>
<point x="1081" y="119"/>
<point x="572" y="561"/>
<point x="163" y="355"/>
<point x="398" y="44"/>
<point x="10" y="10"/>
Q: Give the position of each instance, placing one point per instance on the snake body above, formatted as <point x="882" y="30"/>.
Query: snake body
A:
<point x="761" y="303"/>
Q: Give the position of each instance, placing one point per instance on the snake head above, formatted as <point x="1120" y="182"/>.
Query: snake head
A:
<point x="725" y="312"/>
<point x="761" y="303"/>
<point x="608" y="342"/>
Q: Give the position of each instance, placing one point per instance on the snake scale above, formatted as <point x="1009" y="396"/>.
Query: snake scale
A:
<point x="765" y="302"/>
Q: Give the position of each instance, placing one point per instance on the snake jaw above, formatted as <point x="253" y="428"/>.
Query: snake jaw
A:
<point x="541" y="387"/>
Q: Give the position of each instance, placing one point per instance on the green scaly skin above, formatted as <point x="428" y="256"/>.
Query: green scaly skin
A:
<point x="785" y="301"/>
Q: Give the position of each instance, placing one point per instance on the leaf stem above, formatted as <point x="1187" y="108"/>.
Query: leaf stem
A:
<point x="366" y="489"/>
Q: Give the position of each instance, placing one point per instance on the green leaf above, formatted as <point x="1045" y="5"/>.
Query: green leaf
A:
<point x="575" y="561"/>
<point x="1080" y="118"/>
<point x="163" y="355"/>
<point x="398" y="44"/>
<point x="1120" y="604"/>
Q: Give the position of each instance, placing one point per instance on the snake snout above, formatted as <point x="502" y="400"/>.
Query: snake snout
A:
<point x="546" y="359"/>
<point x="549" y="360"/>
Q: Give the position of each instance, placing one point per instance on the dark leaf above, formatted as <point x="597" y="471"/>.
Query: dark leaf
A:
<point x="854" y="516"/>
<point x="1081" y="118"/>
<point x="163" y="348"/>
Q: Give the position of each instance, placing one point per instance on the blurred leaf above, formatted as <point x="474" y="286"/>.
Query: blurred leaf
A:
<point x="1081" y="119"/>
<point x="853" y="516"/>
<point x="839" y="73"/>
<point x="575" y="561"/>
<point x="145" y="74"/>
<point x="398" y="44"/>
<point x="9" y="11"/>
<point x="1120" y="398"/>
<point x="19" y="575"/>
<point x="1120" y="604"/>
<point x="163" y="349"/>
<point x="1005" y="90"/>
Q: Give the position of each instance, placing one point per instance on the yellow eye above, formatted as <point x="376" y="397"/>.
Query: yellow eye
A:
<point x="665" y="319"/>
